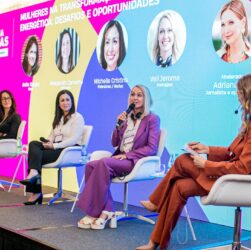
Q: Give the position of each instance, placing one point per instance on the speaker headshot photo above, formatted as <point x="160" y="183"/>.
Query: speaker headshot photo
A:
<point x="67" y="50"/>
<point x="166" y="38"/>
<point x="112" y="45"/>
<point x="31" y="55"/>
<point x="230" y="32"/>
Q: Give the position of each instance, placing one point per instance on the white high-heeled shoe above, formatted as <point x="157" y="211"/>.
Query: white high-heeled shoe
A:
<point x="100" y="222"/>
<point x="86" y="222"/>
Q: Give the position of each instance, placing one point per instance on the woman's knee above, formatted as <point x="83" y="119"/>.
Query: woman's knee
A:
<point x="34" y="145"/>
<point x="182" y="158"/>
<point x="181" y="186"/>
<point x="94" y="165"/>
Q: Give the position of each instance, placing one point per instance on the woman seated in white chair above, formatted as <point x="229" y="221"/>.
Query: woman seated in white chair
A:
<point x="194" y="175"/>
<point x="136" y="137"/>
<point x="67" y="129"/>
<point x="9" y="119"/>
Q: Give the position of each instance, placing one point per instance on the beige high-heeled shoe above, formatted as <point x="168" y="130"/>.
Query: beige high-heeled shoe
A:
<point x="86" y="222"/>
<point x="101" y="222"/>
<point x="150" y="246"/>
<point x="149" y="206"/>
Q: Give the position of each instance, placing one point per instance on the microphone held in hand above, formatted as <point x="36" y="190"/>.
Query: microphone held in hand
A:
<point x="42" y="139"/>
<point x="130" y="108"/>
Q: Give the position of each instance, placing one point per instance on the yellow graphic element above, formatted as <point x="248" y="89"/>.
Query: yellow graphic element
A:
<point x="50" y="80"/>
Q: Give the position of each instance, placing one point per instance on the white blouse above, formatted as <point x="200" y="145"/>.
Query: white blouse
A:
<point x="69" y="134"/>
<point x="129" y="134"/>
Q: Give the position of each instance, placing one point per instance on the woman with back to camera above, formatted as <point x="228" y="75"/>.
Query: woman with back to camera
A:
<point x="113" y="48"/>
<point x="65" y="53"/>
<point x="31" y="57"/>
<point x="234" y="32"/>
<point x="165" y="48"/>
<point x="67" y="129"/>
<point x="194" y="175"/>
<point x="9" y="118"/>
<point x="137" y="137"/>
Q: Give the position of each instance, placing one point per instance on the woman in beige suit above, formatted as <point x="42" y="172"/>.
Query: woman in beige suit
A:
<point x="195" y="176"/>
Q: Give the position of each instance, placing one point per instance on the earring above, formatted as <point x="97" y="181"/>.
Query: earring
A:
<point x="247" y="105"/>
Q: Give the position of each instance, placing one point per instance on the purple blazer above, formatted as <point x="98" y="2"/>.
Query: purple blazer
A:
<point x="145" y="141"/>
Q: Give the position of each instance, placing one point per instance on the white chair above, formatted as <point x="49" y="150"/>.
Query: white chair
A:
<point x="9" y="149"/>
<point x="231" y="190"/>
<point x="69" y="157"/>
<point x="144" y="169"/>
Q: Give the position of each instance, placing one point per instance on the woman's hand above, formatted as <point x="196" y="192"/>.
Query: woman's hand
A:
<point x="48" y="145"/>
<point x="122" y="116"/>
<point x="198" y="161"/>
<point x="199" y="147"/>
<point x="120" y="157"/>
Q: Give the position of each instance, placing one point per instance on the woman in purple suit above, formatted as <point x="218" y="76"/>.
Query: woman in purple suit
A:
<point x="136" y="137"/>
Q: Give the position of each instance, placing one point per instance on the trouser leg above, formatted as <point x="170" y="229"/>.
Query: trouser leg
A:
<point x="38" y="156"/>
<point x="183" y="168"/>
<point x="96" y="195"/>
<point x="171" y="208"/>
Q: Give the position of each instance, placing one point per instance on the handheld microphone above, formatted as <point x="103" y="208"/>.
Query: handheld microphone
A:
<point x="237" y="110"/>
<point x="42" y="139"/>
<point x="130" y="108"/>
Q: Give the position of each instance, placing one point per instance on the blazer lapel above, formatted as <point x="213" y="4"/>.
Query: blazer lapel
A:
<point x="141" y="129"/>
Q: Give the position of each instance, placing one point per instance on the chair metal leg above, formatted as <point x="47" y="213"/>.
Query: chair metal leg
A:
<point x="236" y="245"/>
<point x="59" y="186"/>
<point x="79" y="191"/>
<point x="189" y="223"/>
<point x="24" y="155"/>
<point x="15" y="173"/>
<point x="237" y="230"/>
<point x="126" y="214"/>
<point x="59" y="193"/>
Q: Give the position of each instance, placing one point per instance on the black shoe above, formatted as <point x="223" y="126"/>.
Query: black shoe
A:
<point x="33" y="180"/>
<point x="38" y="201"/>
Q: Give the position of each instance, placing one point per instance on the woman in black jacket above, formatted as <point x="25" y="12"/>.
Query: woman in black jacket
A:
<point x="9" y="119"/>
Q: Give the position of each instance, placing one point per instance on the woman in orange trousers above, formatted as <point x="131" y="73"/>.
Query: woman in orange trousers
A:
<point x="194" y="176"/>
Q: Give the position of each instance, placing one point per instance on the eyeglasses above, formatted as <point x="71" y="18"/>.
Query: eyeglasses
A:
<point x="5" y="98"/>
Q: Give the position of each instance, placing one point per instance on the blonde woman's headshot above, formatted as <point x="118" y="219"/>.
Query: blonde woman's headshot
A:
<point x="166" y="38"/>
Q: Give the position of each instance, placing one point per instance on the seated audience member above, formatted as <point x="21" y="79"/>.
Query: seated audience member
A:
<point x="136" y="137"/>
<point x="194" y="175"/>
<point x="67" y="129"/>
<point x="9" y="119"/>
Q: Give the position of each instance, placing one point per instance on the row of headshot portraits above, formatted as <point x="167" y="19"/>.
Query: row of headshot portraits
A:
<point x="166" y="41"/>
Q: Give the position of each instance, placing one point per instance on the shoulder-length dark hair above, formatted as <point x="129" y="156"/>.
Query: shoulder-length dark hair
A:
<point x="59" y="59"/>
<point x="59" y="112"/>
<point x="32" y="40"/>
<point x="13" y="105"/>
<point x="122" y="48"/>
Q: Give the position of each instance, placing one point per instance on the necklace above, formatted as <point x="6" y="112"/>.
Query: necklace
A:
<point x="240" y="58"/>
